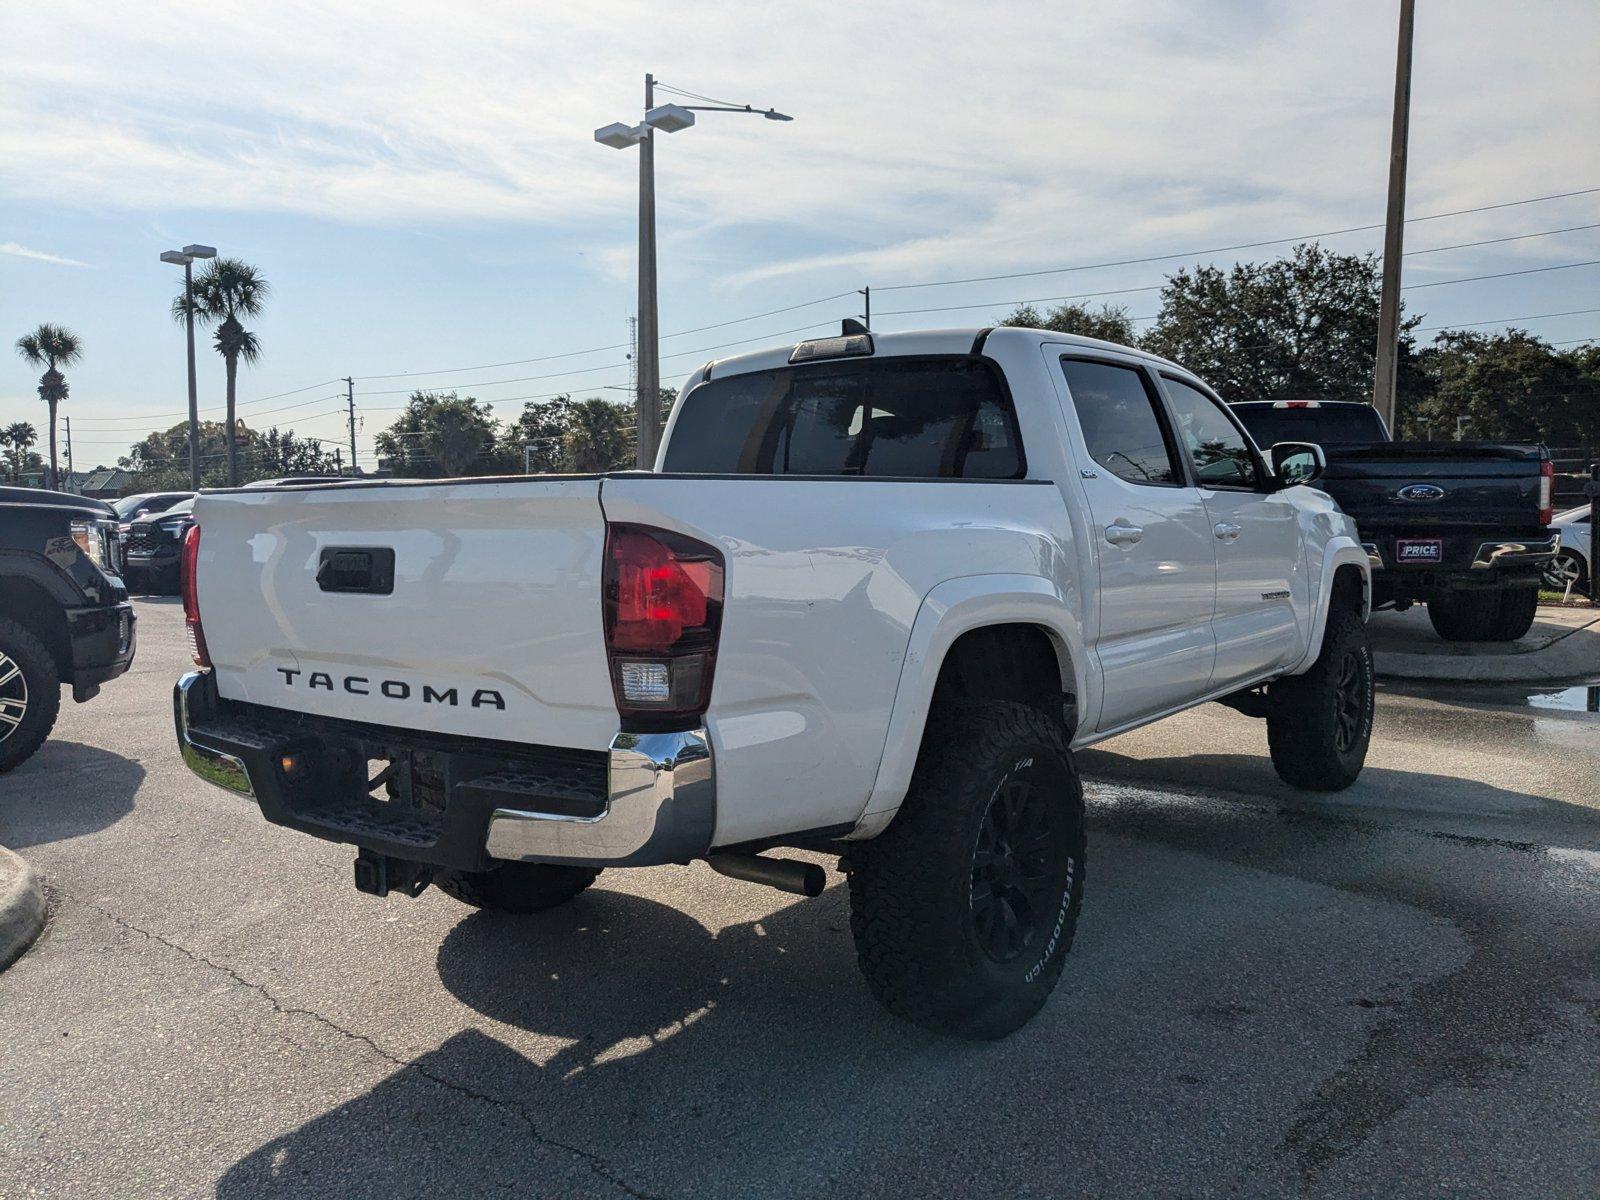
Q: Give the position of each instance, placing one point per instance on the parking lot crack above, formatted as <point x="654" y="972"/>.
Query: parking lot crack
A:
<point x="594" y="1162"/>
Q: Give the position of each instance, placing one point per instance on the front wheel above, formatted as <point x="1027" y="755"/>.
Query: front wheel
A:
<point x="30" y="693"/>
<point x="1319" y="724"/>
<point x="964" y="908"/>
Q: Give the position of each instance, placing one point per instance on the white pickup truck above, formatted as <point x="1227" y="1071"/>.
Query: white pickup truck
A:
<point x="875" y="593"/>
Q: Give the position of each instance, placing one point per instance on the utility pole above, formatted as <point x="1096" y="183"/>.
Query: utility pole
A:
<point x="866" y="317"/>
<point x="68" y="421"/>
<point x="194" y="401"/>
<point x="648" y="418"/>
<point x="668" y="118"/>
<point x="1388" y="358"/>
<point x="350" y="395"/>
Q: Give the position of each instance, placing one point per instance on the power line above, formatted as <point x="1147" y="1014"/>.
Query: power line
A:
<point x="1593" y="262"/>
<point x="1571" y="312"/>
<point x="1277" y="241"/>
<point x="483" y="383"/>
<point x="1158" y="287"/>
<point x="517" y="362"/>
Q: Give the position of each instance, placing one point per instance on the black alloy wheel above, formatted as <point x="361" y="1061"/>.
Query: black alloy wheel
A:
<point x="1350" y="701"/>
<point x="1022" y="843"/>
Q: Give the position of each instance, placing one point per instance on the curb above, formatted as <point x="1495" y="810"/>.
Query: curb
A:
<point x="22" y="907"/>
<point x="1570" y="656"/>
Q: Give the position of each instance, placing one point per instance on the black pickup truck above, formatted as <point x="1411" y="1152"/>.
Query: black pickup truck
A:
<point x="65" y="616"/>
<point x="1460" y="526"/>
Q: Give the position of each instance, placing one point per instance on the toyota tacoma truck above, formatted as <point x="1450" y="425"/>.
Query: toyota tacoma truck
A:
<point x="65" y="617"/>
<point x="1463" y="527"/>
<point x="875" y="593"/>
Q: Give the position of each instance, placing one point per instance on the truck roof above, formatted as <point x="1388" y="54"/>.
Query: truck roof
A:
<point x="960" y="340"/>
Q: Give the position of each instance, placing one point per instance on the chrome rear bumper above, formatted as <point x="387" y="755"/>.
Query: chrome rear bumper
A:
<point x="661" y="804"/>
<point x="1511" y="554"/>
<point x="656" y="802"/>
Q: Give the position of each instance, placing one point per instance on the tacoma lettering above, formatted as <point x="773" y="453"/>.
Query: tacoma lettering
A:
<point x="393" y="689"/>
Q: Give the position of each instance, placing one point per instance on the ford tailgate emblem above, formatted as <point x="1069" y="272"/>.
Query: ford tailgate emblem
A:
<point x="1421" y="491"/>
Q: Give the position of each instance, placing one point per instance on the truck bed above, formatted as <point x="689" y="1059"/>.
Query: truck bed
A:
<point x="493" y="626"/>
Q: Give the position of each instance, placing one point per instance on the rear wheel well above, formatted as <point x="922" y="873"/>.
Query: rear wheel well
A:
<point x="1009" y="662"/>
<point x="31" y="606"/>
<point x="1349" y="589"/>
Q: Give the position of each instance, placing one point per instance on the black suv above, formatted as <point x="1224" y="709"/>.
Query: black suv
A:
<point x="65" y="616"/>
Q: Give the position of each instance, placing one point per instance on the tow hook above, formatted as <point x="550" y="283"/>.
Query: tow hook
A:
<point x="378" y="875"/>
<point x="803" y="879"/>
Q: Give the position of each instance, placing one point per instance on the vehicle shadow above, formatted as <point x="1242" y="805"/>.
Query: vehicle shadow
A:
<point x="653" y="1030"/>
<point x="65" y="791"/>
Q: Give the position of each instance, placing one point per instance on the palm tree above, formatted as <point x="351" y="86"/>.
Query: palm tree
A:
<point x="225" y="290"/>
<point x="51" y="347"/>
<point x="18" y="438"/>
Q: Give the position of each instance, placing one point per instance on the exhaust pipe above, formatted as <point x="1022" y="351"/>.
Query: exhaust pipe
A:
<point x="803" y="879"/>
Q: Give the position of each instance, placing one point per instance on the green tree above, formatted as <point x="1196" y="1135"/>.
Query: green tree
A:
<point x="160" y="462"/>
<point x="1108" y="323"/>
<point x="51" y="347"/>
<point x="597" y="437"/>
<point x="225" y="290"/>
<point x="538" y="437"/>
<point x="1303" y="327"/>
<point x="18" y="440"/>
<point x="440" y="434"/>
<point x="1509" y="386"/>
<point x="278" y="453"/>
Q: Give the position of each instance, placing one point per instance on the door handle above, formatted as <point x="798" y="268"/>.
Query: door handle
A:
<point x="1226" y="532"/>
<point x="1123" y="535"/>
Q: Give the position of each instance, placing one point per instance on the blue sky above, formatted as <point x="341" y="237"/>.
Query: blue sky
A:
<point x="424" y="195"/>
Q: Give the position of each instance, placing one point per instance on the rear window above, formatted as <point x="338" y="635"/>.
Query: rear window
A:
<point x="1325" y="426"/>
<point x="916" y="418"/>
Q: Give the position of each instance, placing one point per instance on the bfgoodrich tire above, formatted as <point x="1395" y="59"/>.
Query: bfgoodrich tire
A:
<point x="516" y="887"/>
<point x="1514" y="614"/>
<point x="1319" y="724"/>
<point x="30" y="693"/>
<point x="964" y="908"/>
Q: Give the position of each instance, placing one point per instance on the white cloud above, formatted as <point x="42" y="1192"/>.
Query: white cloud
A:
<point x="931" y="138"/>
<point x="18" y="250"/>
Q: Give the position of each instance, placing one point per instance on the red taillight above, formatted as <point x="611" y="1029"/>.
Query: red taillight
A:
<point x="191" y="596"/>
<point x="663" y="613"/>
<point x="1547" y="491"/>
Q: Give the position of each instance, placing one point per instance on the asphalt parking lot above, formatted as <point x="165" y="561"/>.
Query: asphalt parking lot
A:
<point x="1391" y="992"/>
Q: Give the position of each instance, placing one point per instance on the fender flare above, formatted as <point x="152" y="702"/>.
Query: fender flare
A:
<point x="1338" y="552"/>
<point x="951" y="609"/>
<point x="36" y="569"/>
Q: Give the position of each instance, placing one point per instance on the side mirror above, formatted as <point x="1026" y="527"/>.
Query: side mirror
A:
<point x="1297" y="462"/>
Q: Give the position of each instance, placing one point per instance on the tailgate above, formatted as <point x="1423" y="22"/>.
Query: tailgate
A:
<point x="490" y="626"/>
<point x="1439" y="487"/>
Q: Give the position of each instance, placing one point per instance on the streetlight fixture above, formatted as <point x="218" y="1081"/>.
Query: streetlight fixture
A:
<point x="185" y="258"/>
<point x="666" y="118"/>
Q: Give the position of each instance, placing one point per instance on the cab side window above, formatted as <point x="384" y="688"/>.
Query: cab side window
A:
<point x="1122" y="426"/>
<point x="1221" y="455"/>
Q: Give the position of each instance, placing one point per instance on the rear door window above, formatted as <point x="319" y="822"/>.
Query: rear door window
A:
<point x="913" y="418"/>
<point x="1121" y="422"/>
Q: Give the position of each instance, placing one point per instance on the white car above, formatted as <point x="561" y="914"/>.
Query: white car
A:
<point x="876" y="592"/>
<point x="1570" y="567"/>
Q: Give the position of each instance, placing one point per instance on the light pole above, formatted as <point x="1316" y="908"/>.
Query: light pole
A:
<point x="185" y="258"/>
<point x="668" y="118"/>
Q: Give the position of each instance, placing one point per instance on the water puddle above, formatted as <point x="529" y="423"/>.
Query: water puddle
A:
<point x="1554" y="697"/>
<point x="1583" y="698"/>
